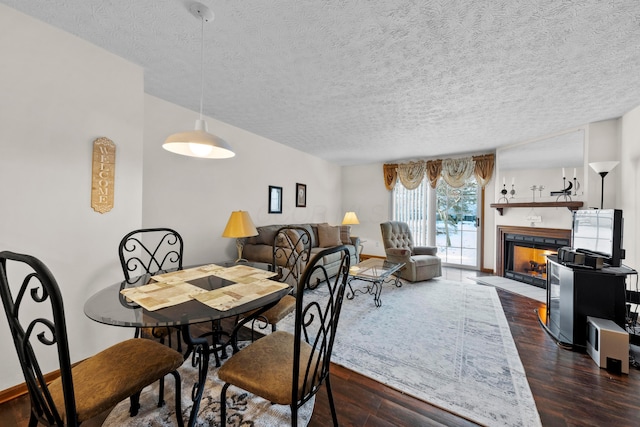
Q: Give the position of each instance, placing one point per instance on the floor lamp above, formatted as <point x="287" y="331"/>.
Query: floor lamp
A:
<point x="603" y="168"/>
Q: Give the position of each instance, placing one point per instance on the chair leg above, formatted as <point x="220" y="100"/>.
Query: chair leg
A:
<point x="178" y="394"/>
<point x="135" y="404"/>
<point x="223" y="405"/>
<point x="334" y="415"/>
<point x="294" y="414"/>
<point x="33" y="420"/>
<point x="161" y="393"/>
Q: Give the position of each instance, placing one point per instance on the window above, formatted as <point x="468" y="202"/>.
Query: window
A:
<point x="453" y="215"/>
<point x="410" y="206"/>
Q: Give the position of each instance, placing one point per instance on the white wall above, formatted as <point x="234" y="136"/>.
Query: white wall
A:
<point x="603" y="145"/>
<point x="196" y="196"/>
<point x="365" y="194"/>
<point x="59" y="94"/>
<point x="629" y="184"/>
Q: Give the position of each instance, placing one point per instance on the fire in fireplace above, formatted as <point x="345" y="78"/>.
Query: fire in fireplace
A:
<point x="523" y="251"/>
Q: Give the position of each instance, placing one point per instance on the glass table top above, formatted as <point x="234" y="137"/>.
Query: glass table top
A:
<point x="374" y="269"/>
<point x="110" y="307"/>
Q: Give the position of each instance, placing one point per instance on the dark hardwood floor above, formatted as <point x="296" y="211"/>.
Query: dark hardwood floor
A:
<point x="568" y="387"/>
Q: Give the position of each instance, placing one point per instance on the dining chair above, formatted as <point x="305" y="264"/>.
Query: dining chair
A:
<point x="290" y="255"/>
<point x="35" y="314"/>
<point x="288" y="368"/>
<point x="151" y="251"/>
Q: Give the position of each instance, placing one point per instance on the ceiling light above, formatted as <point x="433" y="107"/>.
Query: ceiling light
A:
<point x="199" y="142"/>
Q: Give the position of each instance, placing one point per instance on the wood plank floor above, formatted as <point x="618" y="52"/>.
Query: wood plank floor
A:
<point x="568" y="388"/>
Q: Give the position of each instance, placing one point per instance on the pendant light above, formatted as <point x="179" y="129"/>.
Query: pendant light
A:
<point x="199" y="142"/>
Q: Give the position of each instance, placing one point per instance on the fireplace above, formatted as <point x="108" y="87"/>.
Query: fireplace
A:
<point x="522" y="252"/>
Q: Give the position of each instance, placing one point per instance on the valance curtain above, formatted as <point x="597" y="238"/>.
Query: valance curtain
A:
<point x="390" y="175"/>
<point x="434" y="170"/>
<point x="453" y="171"/>
<point x="411" y="174"/>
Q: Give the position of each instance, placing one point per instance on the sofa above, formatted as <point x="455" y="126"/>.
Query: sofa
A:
<point x="260" y="248"/>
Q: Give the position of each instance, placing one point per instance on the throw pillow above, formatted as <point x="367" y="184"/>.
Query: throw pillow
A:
<point x="328" y="236"/>
<point x="345" y="234"/>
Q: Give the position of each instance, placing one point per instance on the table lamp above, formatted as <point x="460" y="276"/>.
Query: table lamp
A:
<point x="240" y="226"/>
<point x="350" y="218"/>
<point x="603" y="168"/>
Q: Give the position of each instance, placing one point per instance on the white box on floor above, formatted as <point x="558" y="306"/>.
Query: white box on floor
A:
<point x="608" y="344"/>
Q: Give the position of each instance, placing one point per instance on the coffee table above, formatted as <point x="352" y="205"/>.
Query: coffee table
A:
<point x="375" y="271"/>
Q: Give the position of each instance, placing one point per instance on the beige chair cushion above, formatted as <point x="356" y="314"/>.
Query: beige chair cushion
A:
<point x="265" y="367"/>
<point x="278" y="312"/>
<point x="114" y="374"/>
<point x="328" y="236"/>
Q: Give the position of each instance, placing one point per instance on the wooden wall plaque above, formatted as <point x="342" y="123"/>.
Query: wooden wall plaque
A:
<point x="103" y="175"/>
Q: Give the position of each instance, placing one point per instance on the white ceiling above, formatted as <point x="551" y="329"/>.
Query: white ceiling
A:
<point x="359" y="81"/>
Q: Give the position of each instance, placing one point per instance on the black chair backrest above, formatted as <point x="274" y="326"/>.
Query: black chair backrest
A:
<point x="291" y="253"/>
<point x="150" y="250"/>
<point x="316" y="322"/>
<point x="37" y="322"/>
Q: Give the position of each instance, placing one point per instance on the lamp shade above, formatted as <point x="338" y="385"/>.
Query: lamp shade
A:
<point x="350" y="218"/>
<point x="240" y="225"/>
<point x="198" y="143"/>
<point x="603" y="167"/>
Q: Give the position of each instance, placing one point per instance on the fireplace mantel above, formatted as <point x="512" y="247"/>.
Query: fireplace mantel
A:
<point x="572" y="206"/>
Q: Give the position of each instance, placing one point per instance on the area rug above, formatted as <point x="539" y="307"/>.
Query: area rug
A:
<point x="445" y="342"/>
<point x="243" y="409"/>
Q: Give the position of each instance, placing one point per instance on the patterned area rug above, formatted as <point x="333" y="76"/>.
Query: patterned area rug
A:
<point x="445" y="342"/>
<point x="243" y="409"/>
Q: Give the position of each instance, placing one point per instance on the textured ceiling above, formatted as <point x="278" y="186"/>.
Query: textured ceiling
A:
<point x="360" y="81"/>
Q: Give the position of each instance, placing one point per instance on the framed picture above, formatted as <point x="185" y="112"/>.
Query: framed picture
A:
<point x="275" y="199"/>
<point x="301" y="196"/>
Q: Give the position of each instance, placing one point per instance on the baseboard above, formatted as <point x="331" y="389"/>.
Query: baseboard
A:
<point x="367" y="256"/>
<point x="21" y="389"/>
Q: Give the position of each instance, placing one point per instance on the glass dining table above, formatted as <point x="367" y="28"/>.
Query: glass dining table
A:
<point x="111" y="307"/>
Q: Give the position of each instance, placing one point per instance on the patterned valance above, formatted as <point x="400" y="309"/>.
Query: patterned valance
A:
<point x="390" y="175"/>
<point x="454" y="171"/>
<point x="411" y="174"/>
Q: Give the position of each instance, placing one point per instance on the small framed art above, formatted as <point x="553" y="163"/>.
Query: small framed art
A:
<point x="301" y="196"/>
<point x="275" y="199"/>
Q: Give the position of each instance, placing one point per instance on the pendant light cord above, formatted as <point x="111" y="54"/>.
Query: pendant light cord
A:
<point x="201" y="67"/>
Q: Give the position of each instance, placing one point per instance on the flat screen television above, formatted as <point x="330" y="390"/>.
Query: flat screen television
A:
<point x="599" y="232"/>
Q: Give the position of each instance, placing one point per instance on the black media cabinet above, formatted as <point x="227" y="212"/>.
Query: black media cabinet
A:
<point x="575" y="292"/>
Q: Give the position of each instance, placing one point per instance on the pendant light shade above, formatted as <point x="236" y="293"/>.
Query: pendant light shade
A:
<point x="199" y="142"/>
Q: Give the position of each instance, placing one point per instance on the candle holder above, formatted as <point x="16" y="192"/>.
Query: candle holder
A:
<point x="565" y="193"/>
<point x="513" y="191"/>
<point x="504" y="193"/>
<point x="537" y="188"/>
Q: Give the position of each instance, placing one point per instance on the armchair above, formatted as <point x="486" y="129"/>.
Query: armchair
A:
<point x="421" y="262"/>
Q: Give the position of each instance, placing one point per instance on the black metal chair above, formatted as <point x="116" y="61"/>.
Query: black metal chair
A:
<point x="37" y="322"/>
<point x="151" y="251"/>
<point x="291" y="254"/>
<point x="289" y="368"/>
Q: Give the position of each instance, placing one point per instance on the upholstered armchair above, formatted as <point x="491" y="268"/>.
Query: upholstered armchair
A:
<point x="421" y="262"/>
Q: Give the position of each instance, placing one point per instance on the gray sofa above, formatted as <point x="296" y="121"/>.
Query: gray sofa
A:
<point x="260" y="248"/>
